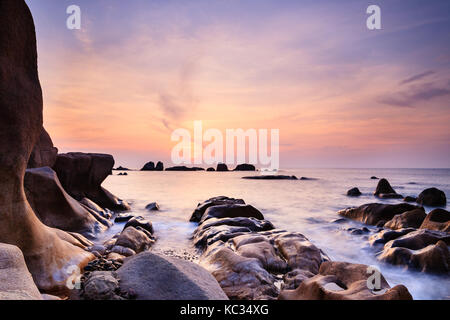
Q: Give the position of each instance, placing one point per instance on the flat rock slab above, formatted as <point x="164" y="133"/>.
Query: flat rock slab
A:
<point x="151" y="276"/>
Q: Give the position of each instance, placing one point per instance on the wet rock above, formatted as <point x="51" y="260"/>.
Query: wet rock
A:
<point x="136" y="239"/>
<point x="89" y="204"/>
<point x="44" y="153"/>
<point x="155" y="277"/>
<point x="149" y="166"/>
<point x="375" y="212"/>
<point x="384" y="236"/>
<point x="57" y="209"/>
<point x="354" y="192"/>
<point x="152" y="206"/>
<point x="434" y="258"/>
<point x="216" y="201"/>
<point x="432" y="197"/>
<point x="418" y="239"/>
<point x="245" y="167"/>
<point x="408" y="219"/>
<point x="384" y="190"/>
<point x="409" y="199"/>
<point x="271" y="177"/>
<point x="140" y="222"/>
<point x="344" y="281"/>
<point x="123" y="217"/>
<point x="16" y="282"/>
<point x="222" y="167"/>
<point x="438" y="219"/>
<point x="123" y="251"/>
<point x="101" y="285"/>
<point x="358" y="231"/>
<point x="232" y="211"/>
<point x="81" y="175"/>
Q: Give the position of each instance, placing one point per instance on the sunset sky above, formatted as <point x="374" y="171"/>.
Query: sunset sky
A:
<point x="341" y="95"/>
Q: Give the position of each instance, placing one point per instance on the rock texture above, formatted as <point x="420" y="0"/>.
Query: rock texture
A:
<point x="438" y="219"/>
<point x="374" y="213"/>
<point x="16" y="282"/>
<point x="220" y="200"/>
<point x="384" y="190"/>
<point x="57" y="209"/>
<point x="408" y="219"/>
<point x="48" y="252"/>
<point x="344" y="281"/>
<point x="154" y="277"/>
<point x="81" y="175"/>
<point x="354" y="192"/>
<point x="44" y="153"/>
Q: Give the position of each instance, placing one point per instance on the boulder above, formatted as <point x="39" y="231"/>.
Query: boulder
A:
<point x="154" y="277"/>
<point x="159" y="166"/>
<point x="418" y="239"/>
<point x="184" y="168"/>
<point x="438" y="219"/>
<point x="211" y="169"/>
<point x="91" y="205"/>
<point x="101" y="285"/>
<point x="222" y="167"/>
<point x="384" y="236"/>
<point x="123" y="217"/>
<point x="344" y="281"/>
<point x="245" y="167"/>
<point x="152" y="206"/>
<point x="434" y="258"/>
<point x="140" y="222"/>
<point x="47" y="251"/>
<point x="44" y="153"/>
<point x="137" y="239"/>
<point x="432" y="197"/>
<point x="384" y="190"/>
<point x="354" y="192"/>
<point x="232" y="211"/>
<point x="216" y="201"/>
<point x="16" y="282"/>
<point x="55" y="208"/>
<point x="149" y="166"/>
<point x="373" y="213"/>
<point x="408" y="219"/>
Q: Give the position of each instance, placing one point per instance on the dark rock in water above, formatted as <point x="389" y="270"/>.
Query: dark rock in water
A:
<point x="408" y="219"/>
<point x="419" y="239"/>
<point x="55" y="208"/>
<point x="46" y="250"/>
<point x="123" y="217"/>
<point x="16" y="282"/>
<point x="432" y="197"/>
<point x="409" y="199"/>
<point x="159" y="166"/>
<point x="374" y="178"/>
<point x="384" y="190"/>
<point x="354" y="192"/>
<point x="216" y="201"/>
<point x="306" y="178"/>
<point x="245" y="167"/>
<point x="101" y="285"/>
<point x="44" y="153"/>
<point x="140" y="222"/>
<point x="81" y="175"/>
<point x="184" y="168"/>
<point x="153" y="277"/>
<point x="222" y="167"/>
<point x="211" y="169"/>
<point x="271" y="177"/>
<point x="344" y="281"/>
<point x="122" y="174"/>
<point x="232" y="211"/>
<point x="384" y="236"/>
<point x="358" y="231"/>
<point x="152" y="206"/>
<point x="434" y="258"/>
<point x="121" y="169"/>
<point x="438" y="219"/>
<point x="149" y="166"/>
<point x="373" y="213"/>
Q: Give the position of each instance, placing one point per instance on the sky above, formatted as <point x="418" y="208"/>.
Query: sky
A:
<point x="340" y="94"/>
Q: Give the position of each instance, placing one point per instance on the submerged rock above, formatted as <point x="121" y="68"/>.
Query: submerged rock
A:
<point x="432" y="197"/>
<point x="344" y="281"/>
<point x="154" y="277"/>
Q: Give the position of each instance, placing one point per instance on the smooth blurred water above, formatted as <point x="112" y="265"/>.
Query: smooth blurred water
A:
<point x="306" y="206"/>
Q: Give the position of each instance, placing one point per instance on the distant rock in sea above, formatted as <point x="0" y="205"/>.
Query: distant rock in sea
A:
<point x="271" y="177"/>
<point x="245" y="167"/>
<point x="222" y="167"/>
<point x="149" y="166"/>
<point x="374" y="178"/>
<point x="152" y="206"/>
<point x="354" y="192"/>
<point x="384" y="190"/>
<point x="120" y="168"/>
<point x="159" y="166"/>
<point x="211" y="169"/>
<point x="184" y="168"/>
<point x="432" y="197"/>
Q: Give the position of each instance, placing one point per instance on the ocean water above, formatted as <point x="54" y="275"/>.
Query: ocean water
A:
<point x="306" y="206"/>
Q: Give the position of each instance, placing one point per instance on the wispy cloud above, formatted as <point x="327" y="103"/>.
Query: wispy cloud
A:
<point x="415" y="95"/>
<point x="417" y="77"/>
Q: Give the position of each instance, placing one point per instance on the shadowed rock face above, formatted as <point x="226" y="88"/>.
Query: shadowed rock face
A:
<point x="81" y="175"/>
<point x="47" y="251"/>
<point x="44" y="153"/>
<point x="438" y="219"/>
<point x="55" y="208"/>
<point x="432" y="197"/>
<point x="374" y="213"/>
<point x="221" y="200"/>
<point x="384" y="190"/>
<point x="408" y="219"/>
